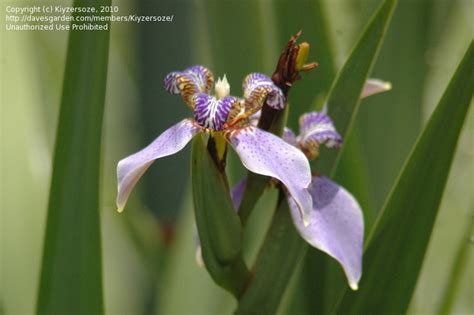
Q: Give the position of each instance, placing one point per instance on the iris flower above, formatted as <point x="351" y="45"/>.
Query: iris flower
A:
<point x="225" y="116"/>
<point x="335" y="223"/>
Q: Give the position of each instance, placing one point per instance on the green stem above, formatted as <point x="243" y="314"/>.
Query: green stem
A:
<point x="280" y="253"/>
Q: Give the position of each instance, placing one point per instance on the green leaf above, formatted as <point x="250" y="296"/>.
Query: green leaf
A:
<point x="219" y="226"/>
<point x="400" y="236"/>
<point x="407" y="43"/>
<point x="71" y="274"/>
<point x="343" y="103"/>
<point x="344" y="96"/>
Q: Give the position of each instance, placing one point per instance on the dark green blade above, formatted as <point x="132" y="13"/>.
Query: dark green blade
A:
<point x="395" y="251"/>
<point x="71" y="274"/>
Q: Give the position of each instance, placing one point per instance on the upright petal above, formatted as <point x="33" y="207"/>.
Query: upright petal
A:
<point x="211" y="112"/>
<point x="317" y="128"/>
<point x="195" y="79"/>
<point x="264" y="153"/>
<point x="375" y="86"/>
<point x="336" y="226"/>
<point x="130" y="169"/>
<point x="257" y="88"/>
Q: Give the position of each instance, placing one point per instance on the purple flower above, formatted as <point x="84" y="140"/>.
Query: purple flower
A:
<point x="335" y="223"/>
<point x="260" y="151"/>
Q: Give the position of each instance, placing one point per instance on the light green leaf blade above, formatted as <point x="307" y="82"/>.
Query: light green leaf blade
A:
<point x="71" y="274"/>
<point x="401" y="234"/>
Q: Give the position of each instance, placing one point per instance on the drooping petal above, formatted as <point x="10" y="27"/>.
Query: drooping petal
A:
<point x="264" y="153"/>
<point x="130" y="169"/>
<point x="237" y="193"/>
<point x="195" y="79"/>
<point x="336" y="226"/>
<point x="290" y="137"/>
<point x="257" y="88"/>
<point x="317" y="128"/>
<point x="210" y="112"/>
<point x="375" y="86"/>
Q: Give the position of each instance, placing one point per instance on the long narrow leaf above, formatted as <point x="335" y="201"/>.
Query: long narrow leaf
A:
<point x="401" y="234"/>
<point x="344" y="96"/>
<point x="71" y="274"/>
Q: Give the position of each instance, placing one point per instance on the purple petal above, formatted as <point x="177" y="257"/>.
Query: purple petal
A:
<point x="264" y="153"/>
<point x="375" y="86"/>
<point x="210" y="112"/>
<point x="195" y="79"/>
<point x="238" y="192"/>
<point x="130" y="169"/>
<point x="257" y="88"/>
<point x="317" y="128"/>
<point x="290" y="137"/>
<point x="336" y="226"/>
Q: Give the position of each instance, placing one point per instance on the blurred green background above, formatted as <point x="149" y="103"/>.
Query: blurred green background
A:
<point x="148" y="251"/>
